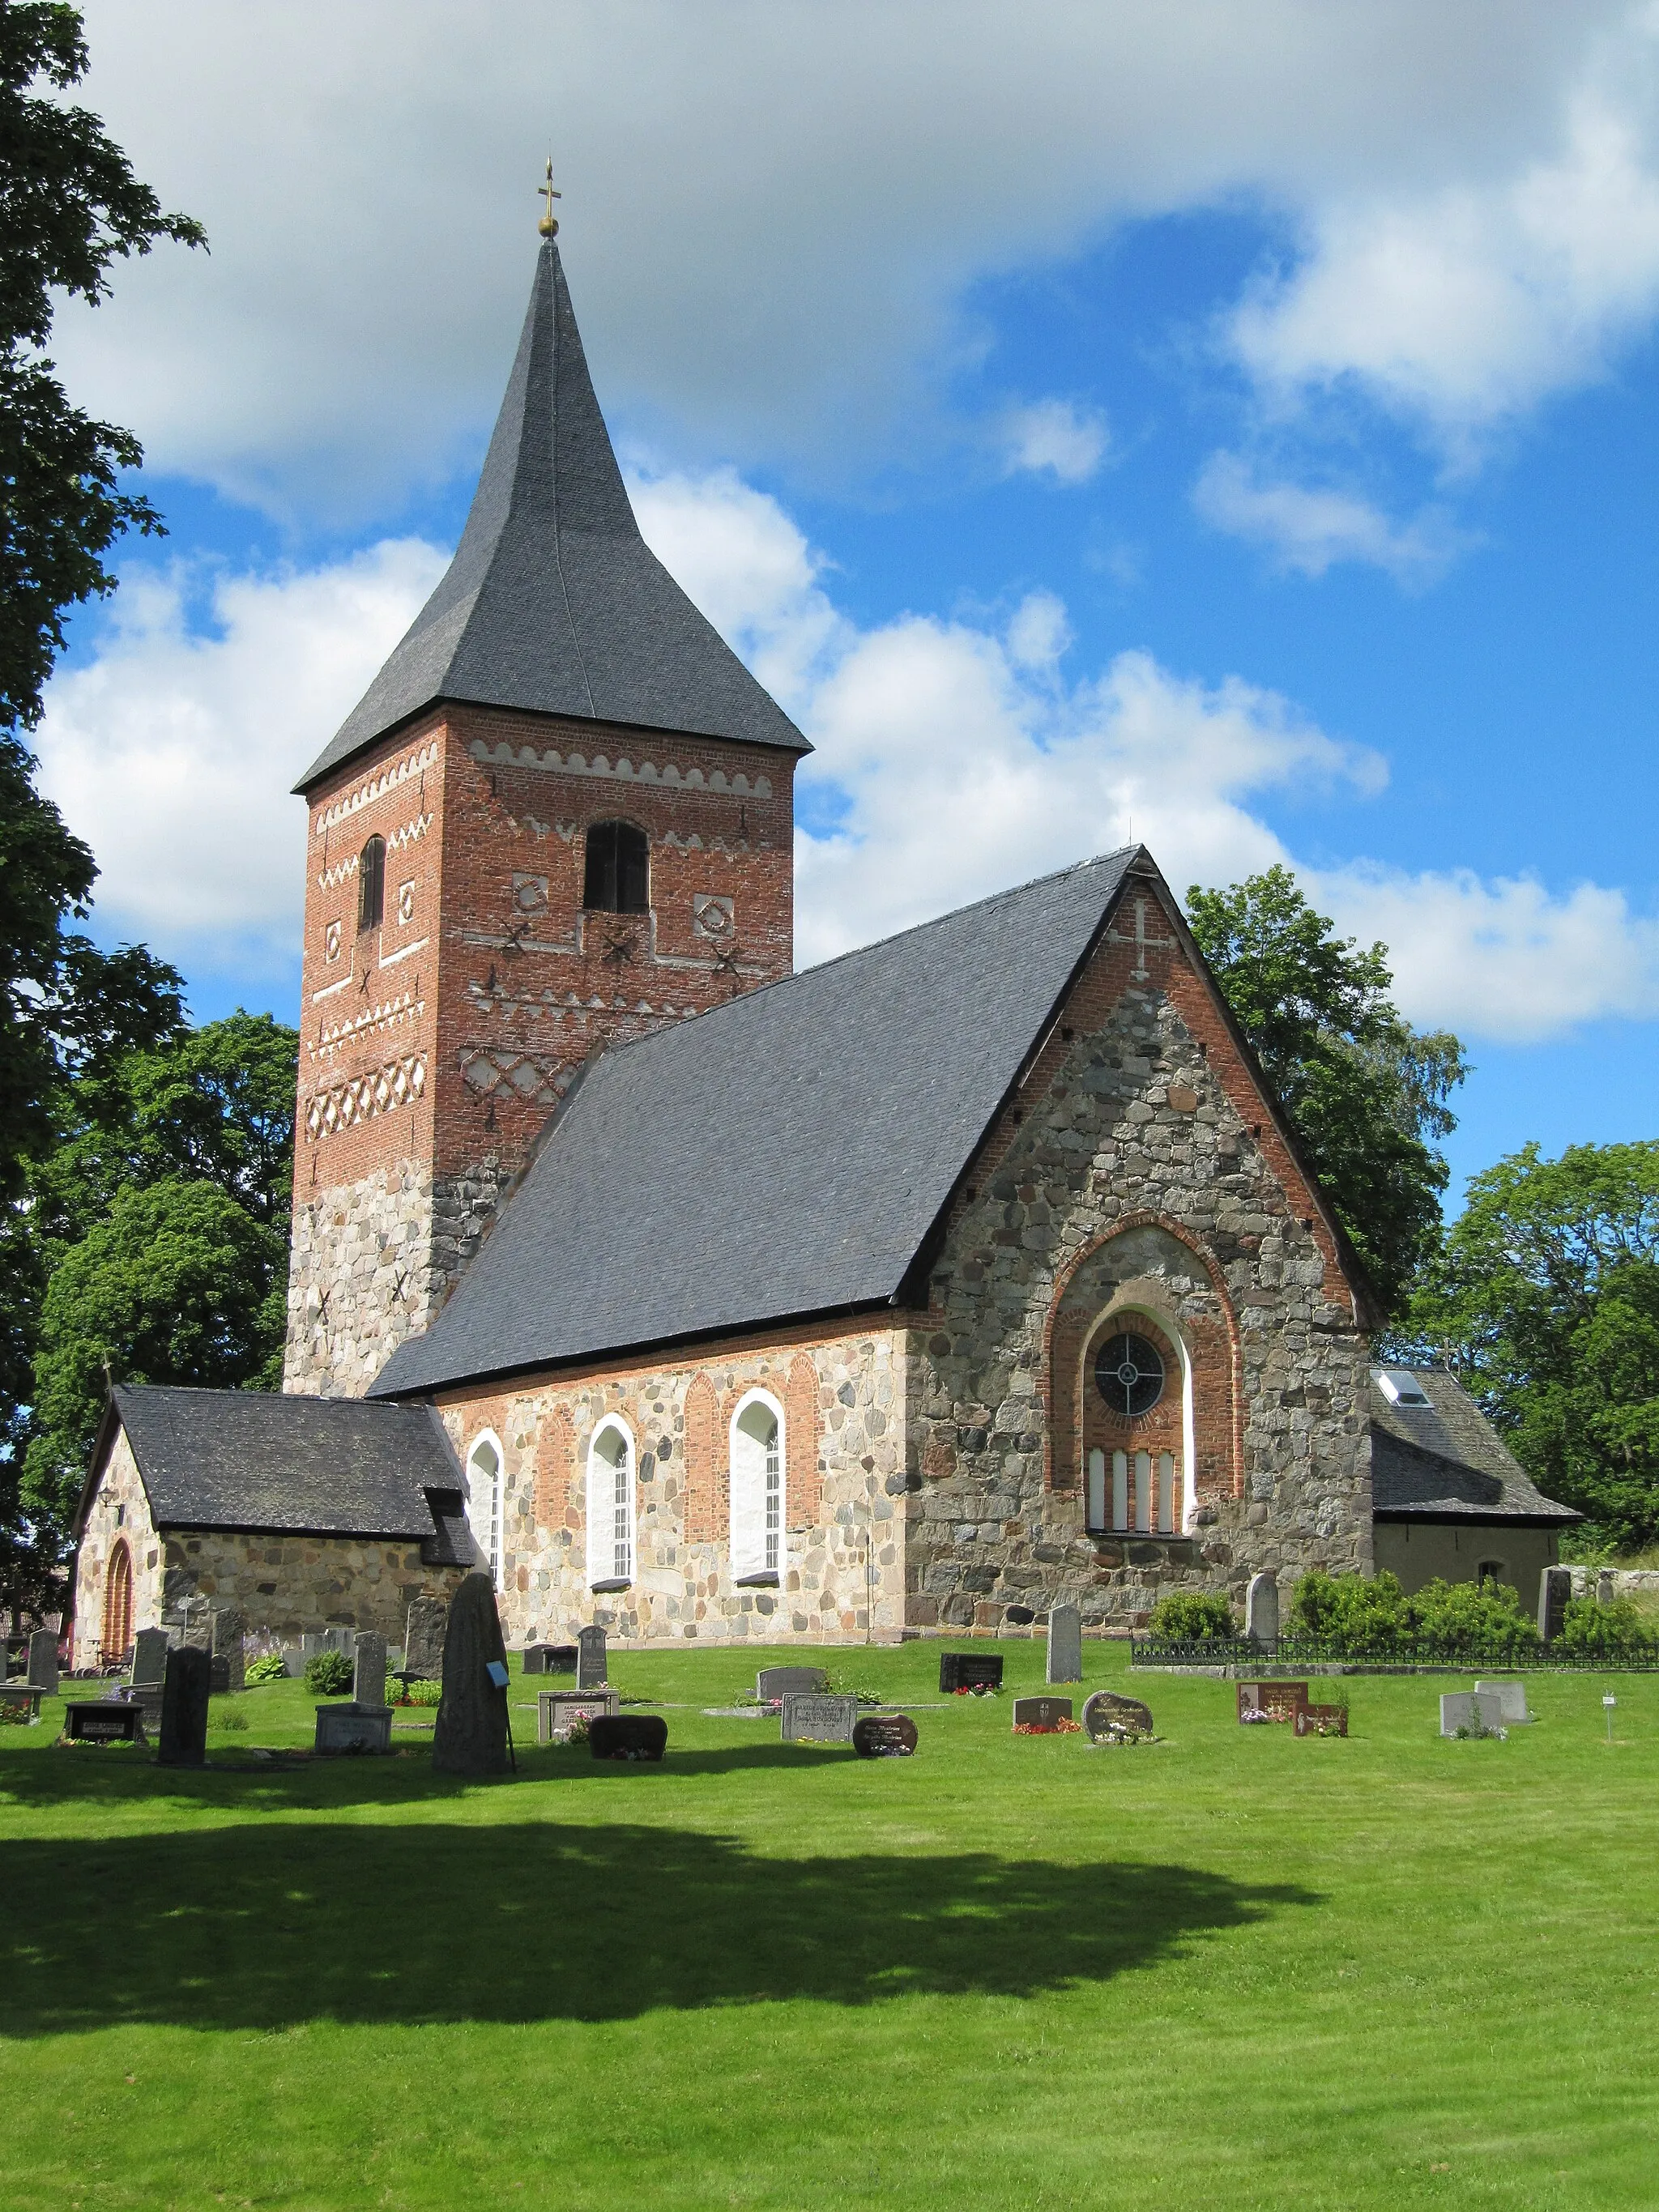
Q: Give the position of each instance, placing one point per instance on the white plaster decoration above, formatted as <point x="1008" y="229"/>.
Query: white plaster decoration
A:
<point x="329" y="990"/>
<point x="527" y="1075"/>
<point x="408" y="833"/>
<point x="714" y="917"/>
<point x="416" y="763"/>
<point x="337" y="872"/>
<point x="405" y="904"/>
<point x="404" y="952"/>
<point x="398" y="1084"/>
<point x="332" y="941"/>
<point x="530" y="893"/>
<point x="408" y="1008"/>
<point x="554" y="763"/>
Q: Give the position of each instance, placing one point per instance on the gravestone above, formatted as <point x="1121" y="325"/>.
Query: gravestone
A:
<point x="1467" y="1708"/>
<point x="815" y="1717"/>
<point x="1605" y="1588"/>
<point x="423" y="1639"/>
<point x="561" y="1659"/>
<point x="185" y="1707"/>
<point x="149" y="1658"/>
<point x="1277" y="1701"/>
<point x="310" y="1645"/>
<point x="535" y="1658"/>
<point x="353" y="1730"/>
<point x="471" y="1735"/>
<point x="556" y="1710"/>
<point x="1511" y="1701"/>
<point x="110" y="1720"/>
<point x="884" y="1736"/>
<point x="1322" y="1720"/>
<point x="17" y="1692"/>
<point x="229" y="1627"/>
<point x="43" y="1662"/>
<point x="1261" y="1607"/>
<point x="639" y="1736"/>
<point x="1108" y="1717"/>
<point x="1041" y="1712"/>
<point x="368" y="1673"/>
<point x="1065" y="1644"/>
<point x="590" y="1659"/>
<point x="788" y="1681"/>
<point x="1554" y="1589"/>
<point x="970" y="1670"/>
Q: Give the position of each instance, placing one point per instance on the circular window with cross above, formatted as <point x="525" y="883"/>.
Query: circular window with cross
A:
<point x="1129" y="1375"/>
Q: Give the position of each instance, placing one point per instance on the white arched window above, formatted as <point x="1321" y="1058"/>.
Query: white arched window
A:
<point x="757" y="1490"/>
<point x="483" y="1502"/>
<point x="610" y="1506"/>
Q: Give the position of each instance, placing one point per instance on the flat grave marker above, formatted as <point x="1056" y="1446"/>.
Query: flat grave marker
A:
<point x="105" y="1720"/>
<point x="814" y="1717"/>
<point x="884" y="1736"/>
<point x="970" y="1670"/>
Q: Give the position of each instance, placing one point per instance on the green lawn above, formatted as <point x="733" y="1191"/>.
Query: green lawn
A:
<point x="1232" y="1969"/>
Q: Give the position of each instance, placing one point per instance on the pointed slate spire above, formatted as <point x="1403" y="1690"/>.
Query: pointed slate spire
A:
<point x="554" y="602"/>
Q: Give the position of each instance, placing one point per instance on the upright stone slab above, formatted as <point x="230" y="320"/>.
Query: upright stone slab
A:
<point x="1041" y="1712"/>
<point x="149" y="1658"/>
<point x="423" y="1638"/>
<point x="1465" y="1709"/>
<point x="185" y="1707"/>
<point x="1261" y="1607"/>
<point x="970" y="1670"/>
<point x="471" y="1735"/>
<point x="43" y="1662"/>
<point x="1064" y="1643"/>
<point x="1606" y="1589"/>
<point x="591" y="1661"/>
<point x="1554" y="1589"/>
<point x="1511" y="1701"/>
<point x="788" y="1682"/>
<point x="369" y="1673"/>
<point x="229" y="1627"/>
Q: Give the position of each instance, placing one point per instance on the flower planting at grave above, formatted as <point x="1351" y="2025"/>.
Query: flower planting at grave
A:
<point x="1047" y="1727"/>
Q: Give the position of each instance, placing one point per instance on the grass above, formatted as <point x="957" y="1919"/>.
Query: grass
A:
<point x="1230" y="1970"/>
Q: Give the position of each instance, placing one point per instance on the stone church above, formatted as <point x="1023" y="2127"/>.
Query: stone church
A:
<point x="970" y="1272"/>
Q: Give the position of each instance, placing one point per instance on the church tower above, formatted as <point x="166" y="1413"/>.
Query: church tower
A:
<point x="562" y="815"/>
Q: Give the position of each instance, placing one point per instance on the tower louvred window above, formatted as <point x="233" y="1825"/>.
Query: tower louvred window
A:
<point x="618" y="877"/>
<point x="371" y="884"/>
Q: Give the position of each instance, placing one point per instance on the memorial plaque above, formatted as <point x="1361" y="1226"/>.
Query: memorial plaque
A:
<point x="354" y="1730"/>
<point x="1261" y="1607"/>
<point x="1064" y="1643"/>
<point x="1555" y="1591"/>
<point x="109" y="1720"/>
<point x="590" y="1659"/>
<point x="970" y="1670"/>
<point x="884" y="1736"/>
<point x="423" y="1639"/>
<point x="816" y="1717"/>
<point x="229" y="1627"/>
<point x="1322" y="1720"/>
<point x="557" y="1709"/>
<point x="1511" y="1701"/>
<point x="1041" y="1712"/>
<point x="639" y="1736"/>
<point x="1273" y="1701"/>
<point x="786" y="1681"/>
<point x="1107" y="1715"/>
<point x="185" y="1708"/>
<point x="43" y="1662"/>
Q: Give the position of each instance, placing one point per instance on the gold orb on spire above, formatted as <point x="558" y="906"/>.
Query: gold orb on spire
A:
<point x="549" y="225"/>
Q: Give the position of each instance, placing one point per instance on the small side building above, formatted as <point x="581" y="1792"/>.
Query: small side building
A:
<point x="302" y="1513"/>
<point x="1448" y="1497"/>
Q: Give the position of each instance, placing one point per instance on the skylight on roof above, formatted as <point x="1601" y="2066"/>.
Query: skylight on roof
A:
<point x="1401" y="1385"/>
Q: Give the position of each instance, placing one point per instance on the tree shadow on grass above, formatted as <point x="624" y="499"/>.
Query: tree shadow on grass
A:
<point x="261" y="1927"/>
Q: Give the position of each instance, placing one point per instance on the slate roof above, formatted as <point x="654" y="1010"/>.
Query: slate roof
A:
<point x="554" y="602"/>
<point x="326" y="1466"/>
<point x="785" y="1154"/>
<point x="1445" y="1460"/>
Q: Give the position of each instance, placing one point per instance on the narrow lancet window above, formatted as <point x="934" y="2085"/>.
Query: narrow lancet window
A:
<point x="618" y="871"/>
<point x="371" y="884"/>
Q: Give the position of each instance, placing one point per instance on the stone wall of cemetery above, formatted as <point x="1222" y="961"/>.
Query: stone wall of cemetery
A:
<point x="1137" y="1173"/>
<point x="839" y="1395"/>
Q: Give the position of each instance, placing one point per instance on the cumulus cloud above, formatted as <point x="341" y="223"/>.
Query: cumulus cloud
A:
<point x="1309" y="528"/>
<point x="1054" y="436"/>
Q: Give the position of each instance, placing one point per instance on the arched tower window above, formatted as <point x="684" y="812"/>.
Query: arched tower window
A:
<point x="618" y="872"/>
<point x="757" y="1490"/>
<point x="371" y="884"/>
<point x="483" y="1504"/>
<point x="611" y="1507"/>
<point x="118" y="1604"/>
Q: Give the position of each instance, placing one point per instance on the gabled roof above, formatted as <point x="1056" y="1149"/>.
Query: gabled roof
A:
<point x="786" y="1154"/>
<point x="1446" y="1461"/>
<point x="554" y="603"/>
<point x="323" y="1467"/>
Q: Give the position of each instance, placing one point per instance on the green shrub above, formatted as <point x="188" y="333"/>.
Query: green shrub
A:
<point x="1191" y="1617"/>
<point x="270" y="1667"/>
<point x="328" y="1674"/>
<point x="1350" y="1613"/>
<point x="1466" y="1620"/>
<point x="1615" y="1631"/>
<point x="1354" y="1614"/>
<point x="414" y="1693"/>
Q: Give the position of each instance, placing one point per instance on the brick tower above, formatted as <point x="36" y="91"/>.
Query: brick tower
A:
<point x="562" y="815"/>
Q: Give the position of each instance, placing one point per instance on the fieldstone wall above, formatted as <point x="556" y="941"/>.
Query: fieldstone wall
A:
<point x="842" y="1573"/>
<point x="119" y="1513"/>
<point x="294" y="1586"/>
<point x="1141" y="1151"/>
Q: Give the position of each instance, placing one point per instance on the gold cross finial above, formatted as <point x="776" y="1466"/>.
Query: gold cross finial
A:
<point x="548" y="225"/>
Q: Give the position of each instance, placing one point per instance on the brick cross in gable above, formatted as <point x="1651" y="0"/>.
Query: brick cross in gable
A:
<point x="1142" y="943"/>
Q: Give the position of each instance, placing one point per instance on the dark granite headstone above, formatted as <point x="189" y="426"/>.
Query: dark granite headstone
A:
<point x="470" y="1734"/>
<point x="641" y="1736"/>
<point x="884" y="1736"/>
<point x="970" y="1670"/>
<point x="535" y="1658"/>
<point x="43" y="1662"/>
<point x="1106" y="1714"/>
<point x="423" y="1639"/>
<point x="813" y="1716"/>
<point x="557" y="1709"/>
<point x="1041" y="1712"/>
<point x="185" y="1707"/>
<point x="111" y="1720"/>
<point x="561" y="1659"/>
<point x="1554" y="1590"/>
<point x="229" y="1627"/>
<point x="788" y="1681"/>
<point x="590" y="1659"/>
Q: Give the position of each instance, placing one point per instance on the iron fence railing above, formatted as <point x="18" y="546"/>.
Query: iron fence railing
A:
<point x="1305" y="1651"/>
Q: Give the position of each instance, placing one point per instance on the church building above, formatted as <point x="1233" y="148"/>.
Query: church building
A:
<point x="972" y="1271"/>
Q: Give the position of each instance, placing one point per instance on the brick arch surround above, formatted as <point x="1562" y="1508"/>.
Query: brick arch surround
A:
<point x="1197" y="1308"/>
<point x="117" y="1601"/>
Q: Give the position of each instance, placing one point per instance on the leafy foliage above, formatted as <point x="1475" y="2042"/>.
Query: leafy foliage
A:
<point x="328" y="1674"/>
<point x="1350" y="1616"/>
<point x="1191" y="1617"/>
<point x="1618" y="1630"/>
<point x="1545" y="1301"/>
<point x="1366" y="1091"/>
<point x="268" y="1666"/>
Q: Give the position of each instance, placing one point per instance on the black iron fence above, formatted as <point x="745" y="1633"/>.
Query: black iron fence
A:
<point x="1634" y="1658"/>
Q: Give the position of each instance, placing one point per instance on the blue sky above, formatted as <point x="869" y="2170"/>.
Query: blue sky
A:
<point x="1090" y="420"/>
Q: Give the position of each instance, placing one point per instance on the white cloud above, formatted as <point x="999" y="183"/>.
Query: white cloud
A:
<point x="1308" y="529"/>
<point x="1066" y="440"/>
<point x="962" y="760"/>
